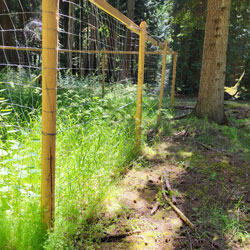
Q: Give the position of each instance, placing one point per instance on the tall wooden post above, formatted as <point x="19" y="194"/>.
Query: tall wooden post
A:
<point x="173" y="80"/>
<point x="50" y="10"/>
<point x="103" y="72"/>
<point x="163" y="74"/>
<point x="140" y="83"/>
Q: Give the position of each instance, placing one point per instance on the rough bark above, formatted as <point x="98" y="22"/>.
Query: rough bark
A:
<point x="210" y="102"/>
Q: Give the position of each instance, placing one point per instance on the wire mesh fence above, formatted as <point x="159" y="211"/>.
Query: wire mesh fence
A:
<point x="70" y="65"/>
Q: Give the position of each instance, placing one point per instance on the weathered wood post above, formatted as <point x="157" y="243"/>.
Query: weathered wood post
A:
<point x="142" y="43"/>
<point x="50" y="10"/>
<point x="163" y="74"/>
<point x="173" y="80"/>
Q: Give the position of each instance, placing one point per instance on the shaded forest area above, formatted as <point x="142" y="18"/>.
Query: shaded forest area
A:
<point x="181" y="22"/>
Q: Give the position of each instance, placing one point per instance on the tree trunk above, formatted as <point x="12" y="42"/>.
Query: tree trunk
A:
<point x="210" y="102"/>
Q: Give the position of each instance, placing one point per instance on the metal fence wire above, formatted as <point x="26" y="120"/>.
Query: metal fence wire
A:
<point x="63" y="65"/>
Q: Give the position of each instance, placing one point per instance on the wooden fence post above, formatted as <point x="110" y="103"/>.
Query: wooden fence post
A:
<point x="50" y="10"/>
<point x="140" y="83"/>
<point x="163" y="74"/>
<point x="173" y="80"/>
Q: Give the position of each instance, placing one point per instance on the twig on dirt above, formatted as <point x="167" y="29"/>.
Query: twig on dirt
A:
<point x="177" y="210"/>
<point x="213" y="149"/>
<point x="117" y="237"/>
<point x="166" y="186"/>
<point x="143" y="238"/>
<point x="186" y="132"/>
<point x="155" y="208"/>
<point x="208" y="147"/>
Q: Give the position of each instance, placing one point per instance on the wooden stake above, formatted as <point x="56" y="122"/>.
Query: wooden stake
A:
<point x="173" y="80"/>
<point x="50" y="10"/>
<point x="140" y="83"/>
<point x="163" y="73"/>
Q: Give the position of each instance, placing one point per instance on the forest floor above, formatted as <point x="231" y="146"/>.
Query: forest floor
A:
<point x="208" y="169"/>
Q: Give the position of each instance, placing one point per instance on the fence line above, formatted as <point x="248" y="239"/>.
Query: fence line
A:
<point x="163" y="73"/>
<point x="119" y="52"/>
<point x="173" y="80"/>
<point x="50" y="59"/>
<point x="140" y="83"/>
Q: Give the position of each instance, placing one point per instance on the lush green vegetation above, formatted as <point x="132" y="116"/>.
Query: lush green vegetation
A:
<point x="95" y="135"/>
<point x="95" y="142"/>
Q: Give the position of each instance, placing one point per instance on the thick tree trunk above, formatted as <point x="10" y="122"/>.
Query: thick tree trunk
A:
<point x="210" y="102"/>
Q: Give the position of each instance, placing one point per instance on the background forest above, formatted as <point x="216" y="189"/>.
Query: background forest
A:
<point x="181" y="22"/>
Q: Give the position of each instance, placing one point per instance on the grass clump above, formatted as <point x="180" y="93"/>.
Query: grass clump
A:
<point x="95" y="141"/>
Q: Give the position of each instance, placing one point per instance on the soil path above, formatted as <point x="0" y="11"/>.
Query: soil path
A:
<point x="208" y="169"/>
<point x="141" y="189"/>
<point x="212" y="190"/>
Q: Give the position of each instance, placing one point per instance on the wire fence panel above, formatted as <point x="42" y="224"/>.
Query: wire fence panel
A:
<point x="90" y="73"/>
<point x="20" y="119"/>
<point x="96" y="105"/>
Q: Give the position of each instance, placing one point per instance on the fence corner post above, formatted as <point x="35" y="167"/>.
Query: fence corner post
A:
<point x="142" y="44"/>
<point x="50" y="10"/>
<point x="163" y="73"/>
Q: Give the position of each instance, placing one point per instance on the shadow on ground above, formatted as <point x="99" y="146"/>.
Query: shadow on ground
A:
<point x="208" y="167"/>
<point x="212" y="182"/>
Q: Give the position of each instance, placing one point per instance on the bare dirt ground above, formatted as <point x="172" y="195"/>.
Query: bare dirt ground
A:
<point x="211" y="185"/>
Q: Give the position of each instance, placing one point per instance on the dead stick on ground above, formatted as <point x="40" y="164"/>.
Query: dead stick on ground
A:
<point x="207" y="147"/>
<point x="212" y="149"/>
<point x="177" y="210"/>
<point x="155" y="208"/>
<point x="166" y="186"/>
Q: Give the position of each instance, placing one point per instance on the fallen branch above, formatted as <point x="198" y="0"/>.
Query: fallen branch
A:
<point x="177" y="210"/>
<point x="213" y="149"/>
<point x="166" y="186"/>
<point x="208" y="147"/>
<point x="117" y="237"/>
<point x="155" y="208"/>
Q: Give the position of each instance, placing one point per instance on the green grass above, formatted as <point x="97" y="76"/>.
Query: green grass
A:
<point x="215" y="177"/>
<point x="95" y="141"/>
